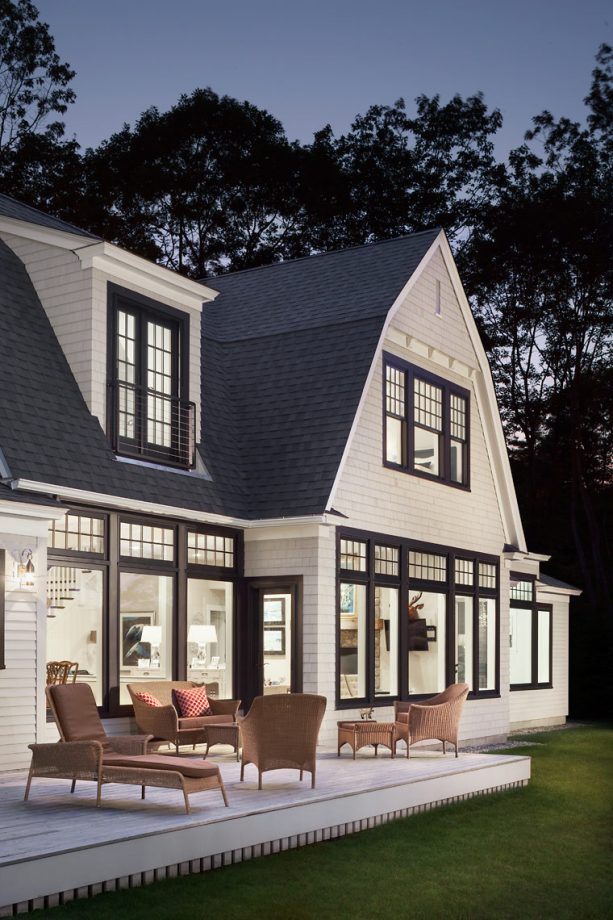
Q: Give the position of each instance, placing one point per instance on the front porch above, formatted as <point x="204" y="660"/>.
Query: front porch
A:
<point x="58" y="847"/>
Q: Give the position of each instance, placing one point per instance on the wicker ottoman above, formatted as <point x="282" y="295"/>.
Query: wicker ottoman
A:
<point x="360" y="734"/>
<point x="223" y="733"/>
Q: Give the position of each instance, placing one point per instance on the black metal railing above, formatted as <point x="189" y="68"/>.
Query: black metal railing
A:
<point x="152" y="425"/>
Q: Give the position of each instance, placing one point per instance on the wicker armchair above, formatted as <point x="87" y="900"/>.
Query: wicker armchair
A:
<point x="280" y="731"/>
<point x="164" y="723"/>
<point x="86" y="752"/>
<point x="437" y="718"/>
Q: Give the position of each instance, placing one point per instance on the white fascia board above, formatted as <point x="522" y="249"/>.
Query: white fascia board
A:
<point x="358" y="415"/>
<point x="60" y="238"/>
<point x="154" y="508"/>
<point x="134" y="270"/>
<point x="551" y="589"/>
<point x="492" y="426"/>
<point x="49" y="512"/>
<point x="435" y="355"/>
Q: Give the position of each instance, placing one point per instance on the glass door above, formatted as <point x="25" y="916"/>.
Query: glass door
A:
<point x="276" y="641"/>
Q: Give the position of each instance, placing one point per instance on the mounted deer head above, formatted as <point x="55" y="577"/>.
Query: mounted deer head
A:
<point x="414" y="607"/>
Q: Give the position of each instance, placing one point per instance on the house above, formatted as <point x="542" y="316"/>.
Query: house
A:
<point x="288" y="478"/>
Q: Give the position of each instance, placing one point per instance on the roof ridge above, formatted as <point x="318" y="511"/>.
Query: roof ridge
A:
<point x="210" y="282"/>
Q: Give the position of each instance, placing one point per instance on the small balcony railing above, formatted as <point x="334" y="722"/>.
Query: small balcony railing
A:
<point x="152" y="426"/>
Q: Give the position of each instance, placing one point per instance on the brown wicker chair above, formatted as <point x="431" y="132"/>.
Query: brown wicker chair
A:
<point x="280" y="732"/>
<point x="437" y="718"/>
<point x="86" y="752"/>
<point x="164" y="722"/>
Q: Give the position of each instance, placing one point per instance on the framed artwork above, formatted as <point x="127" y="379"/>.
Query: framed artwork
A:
<point x="274" y="641"/>
<point x="132" y="649"/>
<point x="347" y="599"/>
<point x="274" y="611"/>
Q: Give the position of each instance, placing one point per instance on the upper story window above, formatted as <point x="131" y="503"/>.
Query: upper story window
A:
<point x="150" y="416"/>
<point x="426" y="424"/>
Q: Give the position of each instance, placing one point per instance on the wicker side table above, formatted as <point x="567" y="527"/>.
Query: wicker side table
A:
<point x="223" y="733"/>
<point x="360" y="734"/>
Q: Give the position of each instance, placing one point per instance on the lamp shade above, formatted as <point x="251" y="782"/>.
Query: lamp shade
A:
<point x="151" y="634"/>
<point x="201" y="634"/>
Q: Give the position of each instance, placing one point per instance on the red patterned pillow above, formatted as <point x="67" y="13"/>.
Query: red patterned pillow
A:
<point x="193" y="702"/>
<point x="147" y="698"/>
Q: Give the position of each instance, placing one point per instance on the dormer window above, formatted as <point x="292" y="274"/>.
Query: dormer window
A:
<point x="149" y="415"/>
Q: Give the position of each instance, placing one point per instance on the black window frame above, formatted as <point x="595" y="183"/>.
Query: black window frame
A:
<point x="113" y="564"/>
<point x="408" y="424"/>
<point x="2" y="609"/>
<point x="534" y="606"/>
<point x="407" y="586"/>
<point x="144" y="309"/>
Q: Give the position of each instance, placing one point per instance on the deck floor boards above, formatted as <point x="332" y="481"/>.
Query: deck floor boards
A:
<point x="53" y="821"/>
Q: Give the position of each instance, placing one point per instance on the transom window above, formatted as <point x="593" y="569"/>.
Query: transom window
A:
<point x="427" y="566"/>
<point x="143" y="541"/>
<point x="77" y="533"/>
<point x="149" y="414"/>
<point x="464" y="572"/>
<point x="426" y="424"/>
<point x="387" y="560"/>
<point x="210" y="549"/>
<point x="353" y="555"/>
<point x="521" y="590"/>
<point x="487" y="575"/>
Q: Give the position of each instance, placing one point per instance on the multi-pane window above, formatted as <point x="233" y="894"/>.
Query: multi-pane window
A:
<point x="464" y="571"/>
<point x="530" y="637"/>
<point x="428" y="427"/>
<point x="143" y="541"/>
<point x="521" y="590"/>
<point x="426" y="424"/>
<point x="387" y="560"/>
<point x="413" y="618"/>
<point x="210" y="549"/>
<point x="77" y="533"/>
<point x="427" y="566"/>
<point x="353" y="555"/>
<point x="487" y="575"/>
<point x="150" y="417"/>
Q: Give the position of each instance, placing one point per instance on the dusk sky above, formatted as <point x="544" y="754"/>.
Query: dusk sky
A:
<point x="318" y="62"/>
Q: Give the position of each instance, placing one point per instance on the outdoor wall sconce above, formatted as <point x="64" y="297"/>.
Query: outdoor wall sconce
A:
<point x="26" y="571"/>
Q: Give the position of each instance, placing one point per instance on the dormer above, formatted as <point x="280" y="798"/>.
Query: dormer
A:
<point x="130" y="330"/>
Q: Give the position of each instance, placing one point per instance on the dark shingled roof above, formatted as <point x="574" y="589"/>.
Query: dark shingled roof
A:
<point x="9" y="207"/>
<point x="30" y="498"/>
<point x="294" y="343"/>
<point x="286" y="353"/>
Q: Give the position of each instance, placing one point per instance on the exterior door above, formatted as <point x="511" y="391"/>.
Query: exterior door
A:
<point x="274" y="654"/>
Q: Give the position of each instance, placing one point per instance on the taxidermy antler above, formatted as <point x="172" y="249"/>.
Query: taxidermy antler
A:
<point x="414" y="607"/>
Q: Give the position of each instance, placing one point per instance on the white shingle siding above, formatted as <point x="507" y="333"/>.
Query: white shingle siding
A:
<point x="22" y="709"/>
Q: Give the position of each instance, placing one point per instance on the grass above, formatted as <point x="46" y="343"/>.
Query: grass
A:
<point x="543" y="851"/>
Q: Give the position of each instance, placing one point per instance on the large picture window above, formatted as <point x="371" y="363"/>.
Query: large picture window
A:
<point x="530" y="640"/>
<point x="133" y="599"/>
<point x="426" y="424"/>
<point x="150" y="415"/>
<point x="412" y="619"/>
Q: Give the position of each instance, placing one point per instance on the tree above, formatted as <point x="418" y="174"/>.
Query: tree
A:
<point x="539" y="272"/>
<point x="208" y="185"/>
<point x="36" y="164"/>
<point x="398" y="174"/>
<point x="33" y="80"/>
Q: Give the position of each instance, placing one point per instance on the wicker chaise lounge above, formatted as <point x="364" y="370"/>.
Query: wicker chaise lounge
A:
<point x="434" y="719"/>
<point x="280" y="732"/>
<point x="86" y="752"/>
<point x="164" y="722"/>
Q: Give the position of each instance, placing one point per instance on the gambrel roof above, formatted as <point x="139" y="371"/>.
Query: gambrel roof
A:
<point x="287" y="353"/>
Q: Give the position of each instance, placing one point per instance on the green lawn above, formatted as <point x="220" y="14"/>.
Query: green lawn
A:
<point x="539" y="852"/>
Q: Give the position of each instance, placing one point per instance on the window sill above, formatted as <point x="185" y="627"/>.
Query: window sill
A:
<point x="515" y="687"/>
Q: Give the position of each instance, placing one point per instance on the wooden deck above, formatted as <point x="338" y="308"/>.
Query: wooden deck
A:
<point x="57" y="847"/>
